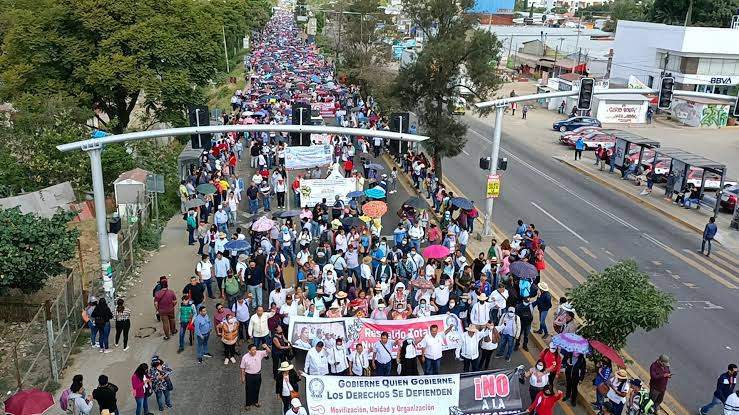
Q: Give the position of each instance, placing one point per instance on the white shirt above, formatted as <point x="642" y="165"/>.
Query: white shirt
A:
<point x="480" y="313"/>
<point x="241" y="269"/>
<point x="288" y="310"/>
<point x="382" y="354"/>
<point x="360" y="361"/>
<point x="415" y="232"/>
<point x="279" y="297"/>
<point x="329" y="284"/>
<point x="469" y="346"/>
<point x="432" y="345"/>
<point x="316" y="362"/>
<point x="418" y="259"/>
<point x="731" y="406"/>
<point x="301" y="411"/>
<point x="487" y="343"/>
<point x="341" y="242"/>
<point x="241" y="311"/>
<point x="302" y="257"/>
<point x="258" y="325"/>
<point x="338" y="359"/>
<point x="222" y="266"/>
<point x="204" y="269"/>
<point x="612" y="393"/>
<point x="365" y="271"/>
<point x="441" y="295"/>
<point x="499" y="299"/>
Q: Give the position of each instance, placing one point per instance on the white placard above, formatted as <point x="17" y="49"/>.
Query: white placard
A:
<point x="307" y="157"/>
<point x="313" y="191"/>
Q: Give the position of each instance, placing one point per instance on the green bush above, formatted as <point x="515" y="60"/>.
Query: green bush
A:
<point x="149" y="237"/>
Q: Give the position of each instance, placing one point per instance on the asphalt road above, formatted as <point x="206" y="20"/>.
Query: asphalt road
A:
<point x="587" y="227"/>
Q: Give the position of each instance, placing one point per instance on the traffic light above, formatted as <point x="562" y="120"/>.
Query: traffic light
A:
<point x="736" y="107"/>
<point x="665" y="92"/>
<point x="585" y="96"/>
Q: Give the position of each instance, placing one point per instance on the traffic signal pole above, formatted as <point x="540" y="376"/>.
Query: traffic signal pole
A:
<point x="497" y="131"/>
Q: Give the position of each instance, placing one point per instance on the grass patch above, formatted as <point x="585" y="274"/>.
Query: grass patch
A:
<point x="219" y="95"/>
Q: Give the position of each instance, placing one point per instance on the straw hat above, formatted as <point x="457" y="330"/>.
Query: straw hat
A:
<point x="341" y="294"/>
<point x="295" y="403"/>
<point x="482" y="297"/>
<point x="621" y="374"/>
<point x="284" y="367"/>
<point x="472" y="328"/>
<point x="367" y="260"/>
<point x="543" y="286"/>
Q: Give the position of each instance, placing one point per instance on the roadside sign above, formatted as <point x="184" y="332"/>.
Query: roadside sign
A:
<point x="493" y="187"/>
<point x="155" y="183"/>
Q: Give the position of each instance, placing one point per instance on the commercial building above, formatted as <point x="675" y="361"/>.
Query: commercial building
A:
<point x="704" y="59"/>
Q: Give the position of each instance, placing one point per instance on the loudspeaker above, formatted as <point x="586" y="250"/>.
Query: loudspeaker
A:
<point x="199" y="116"/>
<point x="296" y="119"/>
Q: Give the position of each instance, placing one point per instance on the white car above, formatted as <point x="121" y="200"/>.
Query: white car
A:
<point x="713" y="181"/>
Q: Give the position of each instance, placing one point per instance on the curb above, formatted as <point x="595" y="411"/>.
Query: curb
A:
<point x="534" y="338"/>
<point x="631" y="196"/>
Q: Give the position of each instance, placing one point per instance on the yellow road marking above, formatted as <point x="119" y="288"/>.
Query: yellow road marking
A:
<point x="555" y="278"/>
<point x="587" y="252"/>
<point x="565" y="265"/>
<point x="699" y="267"/>
<point x="705" y="261"/>
<point x="723" y="262"/>
<point x="731" y="260"/>
<point x="584" y="265"/>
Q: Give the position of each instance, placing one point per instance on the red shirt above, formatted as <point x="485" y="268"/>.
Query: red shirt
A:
<point x="543" y="404"/>
<point x="552" y="361"/>
<point x="348" y="165"/>
<point x="165" y="300"/>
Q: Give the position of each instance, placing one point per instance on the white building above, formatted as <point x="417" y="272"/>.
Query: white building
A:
<point x="704" y="59"/>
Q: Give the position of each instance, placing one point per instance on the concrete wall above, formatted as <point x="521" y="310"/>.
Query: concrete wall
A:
<point x="44" y="202"/>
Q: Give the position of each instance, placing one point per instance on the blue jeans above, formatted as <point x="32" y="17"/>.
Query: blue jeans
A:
<point x="506" y="345"/>
<point x="223" y="227"/>
<point x="162" y="399"/>
<point x="431" y="366"/>
<point x="543" y="322"/>
<point x="259" y="341"/>
<point x="105" y="333"/>
<point x="256" y="292"/>
<point x="93" y="332"/>
<point x="690" y="203"/>
<point x="704" y="243"/>
<point x="253" y="206"/>
<point x="296" y="197"/>
<point x="287" y="250"/>
<point x="208" y="284"/>
<point x="383" y="369"/>
<point x="265" y="202"/>
<point x="142" y="405"/>
<point x="183" y="330"/>
<point x="416" y="243"/>
<point x="202" y="345"/>
<point x="714" y="401"/>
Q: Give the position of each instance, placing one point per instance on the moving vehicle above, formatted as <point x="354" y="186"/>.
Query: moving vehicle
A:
<point x="459" y="107"/>
<point x="729" y="198"/>
<point x="575" y="122"/>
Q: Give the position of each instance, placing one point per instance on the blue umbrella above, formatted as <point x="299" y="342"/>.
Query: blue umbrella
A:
<point x="238" y="245"/>
<point x="461" y="203"/>
<point x="315" y="78"/>
<point x="375" y="193"/>
<point x="375" y="166"/>
<point x="354" y="194"/>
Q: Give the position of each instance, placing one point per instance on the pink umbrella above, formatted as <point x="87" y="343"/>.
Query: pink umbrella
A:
<point x="263" y="224"/>
<point x="29" y="402"/>
<point x="435" y="251"/>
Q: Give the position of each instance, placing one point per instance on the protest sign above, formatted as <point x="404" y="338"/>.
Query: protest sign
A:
<point x="307" y="157"/>
<point x="313" y="191"/>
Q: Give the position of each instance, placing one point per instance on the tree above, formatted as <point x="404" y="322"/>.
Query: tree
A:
<point x="364" y="53"/>
<point x="115" y="55"/>
<point x="711" y="13"/>
<point x="33" y="248"/>
<point x="456" y="59"/>
<point x="618" y="301"/>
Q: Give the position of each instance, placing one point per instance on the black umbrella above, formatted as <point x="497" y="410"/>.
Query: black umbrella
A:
<point x="193" y="203"/>
<point x="461" y="203"/>
<point x="416" y="203"/>
<point x="289" y="214"/>
<point x="352" y="221"/>
<point x="375" y="166"/>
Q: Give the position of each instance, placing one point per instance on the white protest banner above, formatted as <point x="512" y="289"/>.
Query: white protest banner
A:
<point x="307" y="157"/>
<point x="313" y="191"/>
<point x="303" y="330"/>
<point x="407" y="395"/>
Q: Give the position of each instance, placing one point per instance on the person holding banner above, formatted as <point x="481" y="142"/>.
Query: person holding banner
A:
<point x="408" y="358"/>
<point x="381" y="357"/>
<point x="468" y="350"/>
<point x="432" y="346"/>
<point x="338" y="359"/>
<point x="316" y="361"/>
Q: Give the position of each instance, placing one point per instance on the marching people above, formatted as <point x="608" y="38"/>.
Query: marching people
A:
<point x="287" y="384"/>
<point x="359" y="361"/>
<point x="316" y="361"/>
<point x="725" y="385"/>
<point x="469" y="349"/>
<point x="251" y="367"/>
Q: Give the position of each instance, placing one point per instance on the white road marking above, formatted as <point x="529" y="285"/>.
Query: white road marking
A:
<point x="465" y="152"/>
<point x="561" y="186"/>
<point x="706" y="305"/>
<point x="560" y="223"/>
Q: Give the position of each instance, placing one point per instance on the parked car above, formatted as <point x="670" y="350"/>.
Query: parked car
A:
<point x="729" y="198"/>
<point x="575" y="122"/>
<point x="577" y="131"/>
<point x="713" y="181"/>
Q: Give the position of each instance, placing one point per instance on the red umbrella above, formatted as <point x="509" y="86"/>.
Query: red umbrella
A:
<point x="29" y="402"/>
<point x="607" y="351"/>
<point x="435" y="251"/>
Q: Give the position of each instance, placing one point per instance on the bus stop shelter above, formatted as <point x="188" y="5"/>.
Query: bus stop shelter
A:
<point x="625" y="141"/>
<point x="680" y="164"/>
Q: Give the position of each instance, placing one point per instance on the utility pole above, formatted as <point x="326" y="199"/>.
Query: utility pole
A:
<point x="225" y="48"/>
<point x="609" y="64"/>
<point x="554" y="67"/>
<point x="510" y="46"/>
<point x="497" y="130"/>
<point x="577" y="47"/>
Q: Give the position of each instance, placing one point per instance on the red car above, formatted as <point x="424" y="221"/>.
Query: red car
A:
<point x="591" y="139"/>
<point x="729" y="198"/>
<point x="577" y="131"/>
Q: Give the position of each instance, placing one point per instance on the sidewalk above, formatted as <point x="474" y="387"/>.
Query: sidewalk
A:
<point x="694" y="219"/>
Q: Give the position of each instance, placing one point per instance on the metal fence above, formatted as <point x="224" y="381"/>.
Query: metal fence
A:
<point x="46" y="341"/>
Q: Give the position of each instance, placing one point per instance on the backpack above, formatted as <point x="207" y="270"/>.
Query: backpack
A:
<point x="231" y="286"/>
<point x="524" y="288"/>
<point x="525" y="313"/>
<point x="64" y="399"/>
